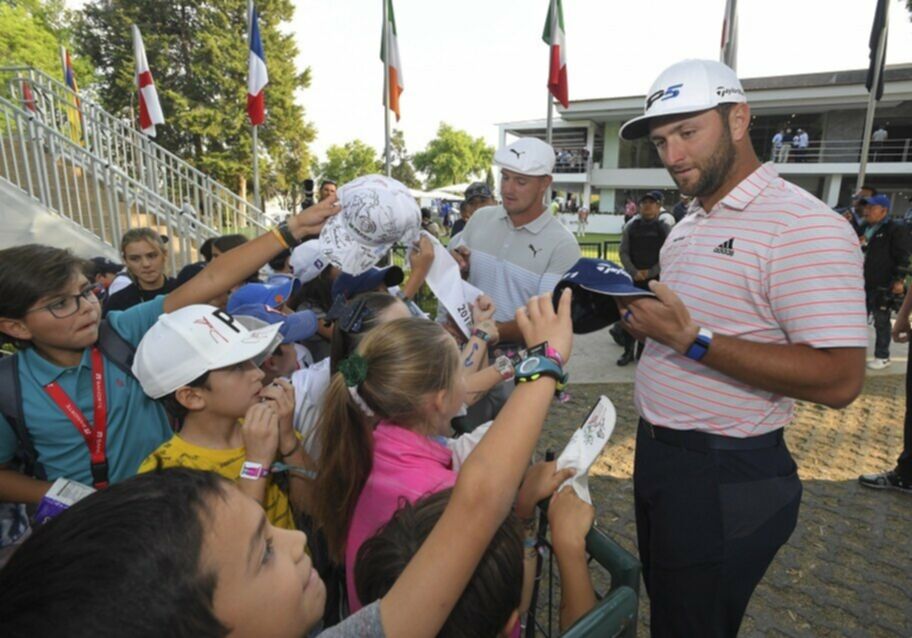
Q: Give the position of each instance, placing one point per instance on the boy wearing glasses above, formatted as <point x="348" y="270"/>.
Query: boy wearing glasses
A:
<point x="87" y="419"/>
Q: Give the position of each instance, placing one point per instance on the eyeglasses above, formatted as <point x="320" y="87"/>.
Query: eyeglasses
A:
<point x="68" y="305"/>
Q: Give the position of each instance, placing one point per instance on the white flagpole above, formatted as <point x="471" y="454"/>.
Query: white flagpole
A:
<point x="256" y="161"/>
<point x="729" y="53"/>
<point x="872" y="102"/>
<point x="386" y="88"/>
<point x="551" y="18"/>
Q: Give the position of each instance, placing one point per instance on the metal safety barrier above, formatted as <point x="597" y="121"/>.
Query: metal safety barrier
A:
<point x="89" y="190"/>
<point x="114" y="140"/>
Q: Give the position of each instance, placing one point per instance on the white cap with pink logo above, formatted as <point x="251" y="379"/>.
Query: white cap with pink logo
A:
<point x="185" y="344"/>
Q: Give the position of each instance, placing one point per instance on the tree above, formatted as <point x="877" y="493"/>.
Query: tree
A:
<point x="402" y="168"/>
<point x="197" y="51"/>
<point x="31" y="34"/>
<point x="453" y="157"/>
<point x="345" y="163"/>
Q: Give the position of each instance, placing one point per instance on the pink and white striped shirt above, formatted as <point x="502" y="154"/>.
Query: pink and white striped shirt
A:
<point x="769" y="263"/>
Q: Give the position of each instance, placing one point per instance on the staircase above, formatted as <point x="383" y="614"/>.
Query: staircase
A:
<point x="104" y="176"/>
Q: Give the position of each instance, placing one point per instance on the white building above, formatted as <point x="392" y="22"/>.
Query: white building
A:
<point x="830" y="107"/>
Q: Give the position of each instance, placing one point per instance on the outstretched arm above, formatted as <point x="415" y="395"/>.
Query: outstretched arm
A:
<point x="238" y="264"/>
<point x="432" y="583"/>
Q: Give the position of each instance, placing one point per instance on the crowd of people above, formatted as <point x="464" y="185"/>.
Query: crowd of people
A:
<point x="270" y="433"/>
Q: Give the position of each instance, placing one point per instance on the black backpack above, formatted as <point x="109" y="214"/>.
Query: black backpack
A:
<point x="114" y="347"/>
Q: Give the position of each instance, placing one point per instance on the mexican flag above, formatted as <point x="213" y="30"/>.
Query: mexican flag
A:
<point x="396" y="85"/>
<point x="555" y="37"/>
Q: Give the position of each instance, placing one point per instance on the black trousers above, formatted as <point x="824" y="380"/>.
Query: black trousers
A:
<point x="904" y="464"/>
<point x="708" y="525"/>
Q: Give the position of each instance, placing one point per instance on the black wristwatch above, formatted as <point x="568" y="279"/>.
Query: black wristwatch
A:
<point x="287" y="235"/>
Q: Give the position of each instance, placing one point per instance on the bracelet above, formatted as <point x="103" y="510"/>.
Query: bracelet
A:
<point x="294" y="449"/>
<point x="290" y="241"/>
<point x="481" y="334"/>
<point x="551" y="353"/>
<point x="528" y="524"/>
<point x="278" y="235"/>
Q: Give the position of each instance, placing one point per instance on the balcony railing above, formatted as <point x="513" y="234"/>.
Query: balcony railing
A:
<point x="572" y="160"/>
<point x="844" y="151"/>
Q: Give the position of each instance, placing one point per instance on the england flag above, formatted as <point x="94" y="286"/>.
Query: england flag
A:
<point x="150" y="112"/>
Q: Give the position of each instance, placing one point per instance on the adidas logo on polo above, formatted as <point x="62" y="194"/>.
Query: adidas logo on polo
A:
<point x="726" y="247"/>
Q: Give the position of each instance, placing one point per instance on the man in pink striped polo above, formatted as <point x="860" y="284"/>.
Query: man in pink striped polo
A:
<point x="761" y="302"/>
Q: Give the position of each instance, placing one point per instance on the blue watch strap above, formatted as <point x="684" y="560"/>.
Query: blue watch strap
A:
<point x="700" y="346"/>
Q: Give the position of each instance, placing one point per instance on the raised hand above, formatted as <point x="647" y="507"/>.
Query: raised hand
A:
<point x="260" y="432"/>
<point x="539" y="483"/>
<point x="538" y="322"/>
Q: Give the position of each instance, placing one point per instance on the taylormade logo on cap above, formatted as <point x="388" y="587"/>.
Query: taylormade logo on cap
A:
<point x="690" y="86"/>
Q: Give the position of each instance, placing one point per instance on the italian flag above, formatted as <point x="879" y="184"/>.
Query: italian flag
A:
<point x="396" y="85"/>
<point x="554" y="36"/>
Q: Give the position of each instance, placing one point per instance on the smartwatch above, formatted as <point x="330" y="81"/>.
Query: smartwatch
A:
<point x="253" y="471"/>
<point x="700" y="346"/>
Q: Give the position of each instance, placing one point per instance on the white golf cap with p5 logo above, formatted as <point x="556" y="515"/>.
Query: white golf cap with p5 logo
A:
<point x="690" y="86"/>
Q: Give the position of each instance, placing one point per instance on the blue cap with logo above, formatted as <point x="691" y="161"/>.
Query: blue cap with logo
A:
<point x="350" y="285"/>
<point x="298" y="326"/>
<point x="252" y="294"/>
<point x="595" y="282"/>
<point x="876" y="200"/>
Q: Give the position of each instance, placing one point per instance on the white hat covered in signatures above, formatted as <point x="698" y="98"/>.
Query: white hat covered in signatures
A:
<point x="377" y="212"/>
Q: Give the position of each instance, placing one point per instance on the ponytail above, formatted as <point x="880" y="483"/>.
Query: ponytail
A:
<point x="346" y="440"/>
<point x="401" y="364"/>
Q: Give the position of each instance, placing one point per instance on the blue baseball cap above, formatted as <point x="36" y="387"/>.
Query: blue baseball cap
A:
<point x="595" y="282"/>
<point x="350" y="285"/>
<point x="656" y="196"/>
<point x="262" y="294"/>
<point x="298" y="326"/>
<point x="876" y="200"/>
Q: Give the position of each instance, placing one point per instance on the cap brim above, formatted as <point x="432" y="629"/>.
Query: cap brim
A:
<point x="256" y="346"/>
<point x="639" y="126"/>
<point x="299" y="326"/>
<point x="393" y="276"/>
<point x="518" y="171"/>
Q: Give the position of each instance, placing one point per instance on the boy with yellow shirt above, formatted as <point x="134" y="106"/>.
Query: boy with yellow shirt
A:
<point x="203" y="365"/>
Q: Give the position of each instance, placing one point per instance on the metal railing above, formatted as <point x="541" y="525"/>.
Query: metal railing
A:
<point x="572" y="160"/>
<point x="87" y="189"/>
<point x="115" y="141"/>
<point x="818" y="151"/>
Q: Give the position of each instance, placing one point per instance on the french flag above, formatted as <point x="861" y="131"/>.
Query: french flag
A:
<point x="257" y="77"/>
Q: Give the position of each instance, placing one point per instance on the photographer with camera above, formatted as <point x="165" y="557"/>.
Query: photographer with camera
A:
<point x="886" y="245"/>
<point x="327" y="189"/>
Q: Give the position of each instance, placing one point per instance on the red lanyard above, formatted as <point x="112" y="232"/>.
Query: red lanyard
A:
<point x="96" y="437"/>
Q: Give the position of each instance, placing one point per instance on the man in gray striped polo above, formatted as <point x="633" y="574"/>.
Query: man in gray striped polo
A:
<point x="516" y="250"/>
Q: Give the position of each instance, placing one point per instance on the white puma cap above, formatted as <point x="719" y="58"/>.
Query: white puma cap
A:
<point x="526" y="156"/>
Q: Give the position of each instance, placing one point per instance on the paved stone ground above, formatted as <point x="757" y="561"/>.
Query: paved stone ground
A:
<point x="847" y="570"/>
